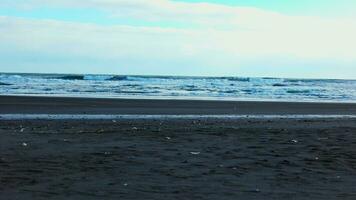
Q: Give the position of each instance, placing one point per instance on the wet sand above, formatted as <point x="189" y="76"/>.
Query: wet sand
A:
<point x="178" y="159"/>
<point x="67" y="105"/>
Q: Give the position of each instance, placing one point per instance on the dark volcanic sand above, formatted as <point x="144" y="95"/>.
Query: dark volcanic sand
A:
<point x="68" y="105"/>
<point x="178" y="159"/>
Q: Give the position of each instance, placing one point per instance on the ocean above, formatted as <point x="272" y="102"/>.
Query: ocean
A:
<point x="179" y="87"/>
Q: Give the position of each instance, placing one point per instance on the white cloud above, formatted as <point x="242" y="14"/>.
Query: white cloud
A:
<point x="229" y="36"/>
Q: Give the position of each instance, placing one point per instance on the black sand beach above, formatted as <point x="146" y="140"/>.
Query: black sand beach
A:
<point x="176" y="158"/>
<point x="67" y="105"/>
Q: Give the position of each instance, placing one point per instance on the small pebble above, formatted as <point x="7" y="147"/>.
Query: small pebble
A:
<point x="168" y="138"/>
<point x="100" y="131"/>
<point x="195" y="153"/>
<point x="24" y="144"/>
<point x="295" y="141"/>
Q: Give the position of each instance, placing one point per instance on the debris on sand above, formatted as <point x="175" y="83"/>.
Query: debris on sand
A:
<point x="100" y="131"/>
<point x="195" y="152"/>
<point x="24" y="144"/>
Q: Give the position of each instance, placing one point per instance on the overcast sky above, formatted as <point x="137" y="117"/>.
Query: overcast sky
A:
<point x="278" y="38"/>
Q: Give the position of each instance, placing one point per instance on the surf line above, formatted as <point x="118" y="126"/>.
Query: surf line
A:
<point x="135" y="116"/>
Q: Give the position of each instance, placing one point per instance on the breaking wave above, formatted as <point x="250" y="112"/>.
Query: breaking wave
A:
<point x="236" y="88"/>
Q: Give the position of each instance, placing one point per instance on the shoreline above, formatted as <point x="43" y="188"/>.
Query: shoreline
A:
<point x="177" y="98"/>
<point x="85" y="148"/>
<point x="9" y="117"/>
<point x="114" y="106"/>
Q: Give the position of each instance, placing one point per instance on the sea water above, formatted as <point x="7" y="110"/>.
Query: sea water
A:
<point x="179" y="87"/>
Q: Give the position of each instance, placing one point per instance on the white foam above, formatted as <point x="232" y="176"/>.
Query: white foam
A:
<point x="172" y="87"/>
<point x="114" y="117"/>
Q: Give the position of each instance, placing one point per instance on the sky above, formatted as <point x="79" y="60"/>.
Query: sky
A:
<point x="269" y="38"/>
